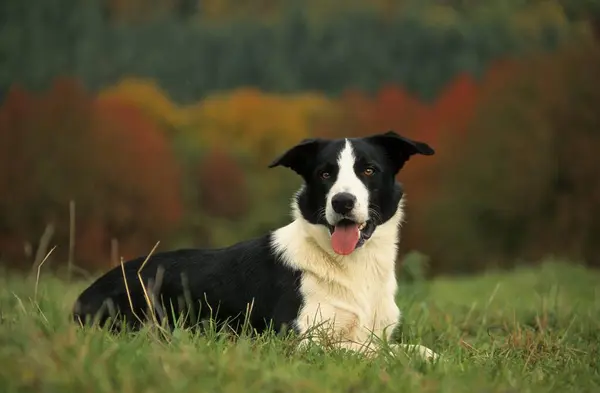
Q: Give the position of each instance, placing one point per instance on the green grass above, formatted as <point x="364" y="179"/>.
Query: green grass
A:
<point x="529" y="330"/>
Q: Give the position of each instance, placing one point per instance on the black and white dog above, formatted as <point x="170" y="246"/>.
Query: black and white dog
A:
<point x="333" y="266"/>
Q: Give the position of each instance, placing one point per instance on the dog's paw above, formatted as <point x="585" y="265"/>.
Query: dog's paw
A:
<point x="420" y="350"/>
<point x="427" y="353"/>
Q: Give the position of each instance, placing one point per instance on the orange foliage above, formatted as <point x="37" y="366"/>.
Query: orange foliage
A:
<point x="148" y="96"/>
<point x="391" y="108"/>
<point x="142" y="172"/>
<point x="104" y="154"/>
<point x="256" y="124"/>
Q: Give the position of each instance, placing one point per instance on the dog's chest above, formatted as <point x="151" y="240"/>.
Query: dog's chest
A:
<point x="362" y="299"/>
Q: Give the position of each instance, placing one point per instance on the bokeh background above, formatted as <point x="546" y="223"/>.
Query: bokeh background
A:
<point x="127" y="122"/>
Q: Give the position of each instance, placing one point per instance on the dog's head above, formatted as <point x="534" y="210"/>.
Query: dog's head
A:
<point x="350" y="184"/>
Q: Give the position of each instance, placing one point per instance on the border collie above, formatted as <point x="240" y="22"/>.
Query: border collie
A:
<point x="332" y="267"/>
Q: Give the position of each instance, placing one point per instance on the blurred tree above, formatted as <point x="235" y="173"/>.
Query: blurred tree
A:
<point x="586" y="10"/>
<point x="239" y="133"/>
<point x="435" y="123"/>
<point x="262" y="125"/>
<point x="136" y="11"/>
<point x="453" y="109"/>
<point x="545" y="20"/>
<point x="148" y="96"/>
<point x="141" y="181"/>
<point x="222" y="186"/>
<point x="421" y="46"/>
<point x="442" y="125"/>
<point x="433" y="49"/>
<point x="104" y="154"/>
<point x="391" y="107"/>
<point x="523" y="183"/>
<point x="187" y="8"/>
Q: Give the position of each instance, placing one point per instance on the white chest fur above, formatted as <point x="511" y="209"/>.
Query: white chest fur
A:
<point x="354" y="295"/>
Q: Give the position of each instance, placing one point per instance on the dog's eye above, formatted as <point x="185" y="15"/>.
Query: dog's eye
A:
<point x="369" y="171"/>
<point x="325" y="175"/>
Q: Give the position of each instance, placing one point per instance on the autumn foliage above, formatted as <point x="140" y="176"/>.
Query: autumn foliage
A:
<point x="256" y="124"/>
<point x="525" y="181"/>
<point x="103" y="154"/>
<point x="222" y="186"/>
<point x="514" y="175"/>
<point x="437" y="122"/>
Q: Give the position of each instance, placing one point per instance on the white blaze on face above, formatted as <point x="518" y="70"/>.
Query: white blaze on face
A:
<point x="347" y="181"/>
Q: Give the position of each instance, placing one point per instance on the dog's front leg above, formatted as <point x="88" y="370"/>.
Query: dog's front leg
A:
<point x="332" y="327"/>
<point x="387" y="316"/>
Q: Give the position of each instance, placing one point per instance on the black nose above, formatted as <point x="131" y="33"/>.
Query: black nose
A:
<point x="343" y="202"/>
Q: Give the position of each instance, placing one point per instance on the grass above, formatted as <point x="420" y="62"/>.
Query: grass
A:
<point x="529" y="330"/>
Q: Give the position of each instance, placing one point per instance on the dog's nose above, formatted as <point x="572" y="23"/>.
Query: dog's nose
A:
<point x="343" y="202"/>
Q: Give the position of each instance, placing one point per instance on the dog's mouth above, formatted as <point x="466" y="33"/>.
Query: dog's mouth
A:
<point x="348" y="235"/>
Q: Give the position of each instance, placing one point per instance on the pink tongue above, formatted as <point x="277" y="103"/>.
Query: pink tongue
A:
<point x="344" y="239"/>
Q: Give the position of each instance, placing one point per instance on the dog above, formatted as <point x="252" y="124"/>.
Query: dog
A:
<point x="332" y="268"/>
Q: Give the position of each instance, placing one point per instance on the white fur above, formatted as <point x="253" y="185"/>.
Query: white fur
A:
<point x="352" y="296"/>
<point x="347" y="181"/>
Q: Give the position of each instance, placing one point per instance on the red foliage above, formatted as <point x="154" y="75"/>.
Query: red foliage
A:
<point x="525" y="182"/>
<point x="15" y="117"/>
<point x="222" y="186"/>
<point x="544" y="193"/>
<point x="391" y="108"/>
<point x="437" y="124"/>
<point x="142" y="162"/>
<point x="106" y="155"/>
<point x="453" y="109"/>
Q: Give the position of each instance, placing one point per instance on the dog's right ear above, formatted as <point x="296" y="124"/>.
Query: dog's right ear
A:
<point x="399" y="148"/>
<point x="300" y="158"/>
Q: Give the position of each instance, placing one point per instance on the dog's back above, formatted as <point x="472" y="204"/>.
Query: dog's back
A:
<point x="186" y="287"/>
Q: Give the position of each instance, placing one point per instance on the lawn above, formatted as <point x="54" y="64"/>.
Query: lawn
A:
<point x="528" y="330"/>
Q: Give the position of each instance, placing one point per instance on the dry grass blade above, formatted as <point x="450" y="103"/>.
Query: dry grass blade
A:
<point x="129" y="293"/>
<point x="71" y="259"/>
<point x="43" y="246"/>
<point x="146" y="296"/>
<point x="39" y="269"/>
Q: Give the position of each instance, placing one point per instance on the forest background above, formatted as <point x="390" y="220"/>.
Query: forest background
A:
<point x="127" y="122"/>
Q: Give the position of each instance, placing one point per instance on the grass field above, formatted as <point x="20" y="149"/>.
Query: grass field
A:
<point x="529" y="330"/>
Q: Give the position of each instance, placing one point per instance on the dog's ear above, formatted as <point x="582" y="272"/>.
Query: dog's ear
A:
<point x="399" y="149"/>
<point x="300" y="158"/>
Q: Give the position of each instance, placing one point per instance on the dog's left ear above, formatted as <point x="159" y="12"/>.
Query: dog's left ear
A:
<point x="300" y="158"/>
<point x="399" y="149"/>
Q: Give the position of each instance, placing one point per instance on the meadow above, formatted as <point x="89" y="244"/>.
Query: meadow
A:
<point x="531" y="329"/>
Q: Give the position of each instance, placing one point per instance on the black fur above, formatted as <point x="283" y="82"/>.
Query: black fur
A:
<point x="200" y="284"/>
